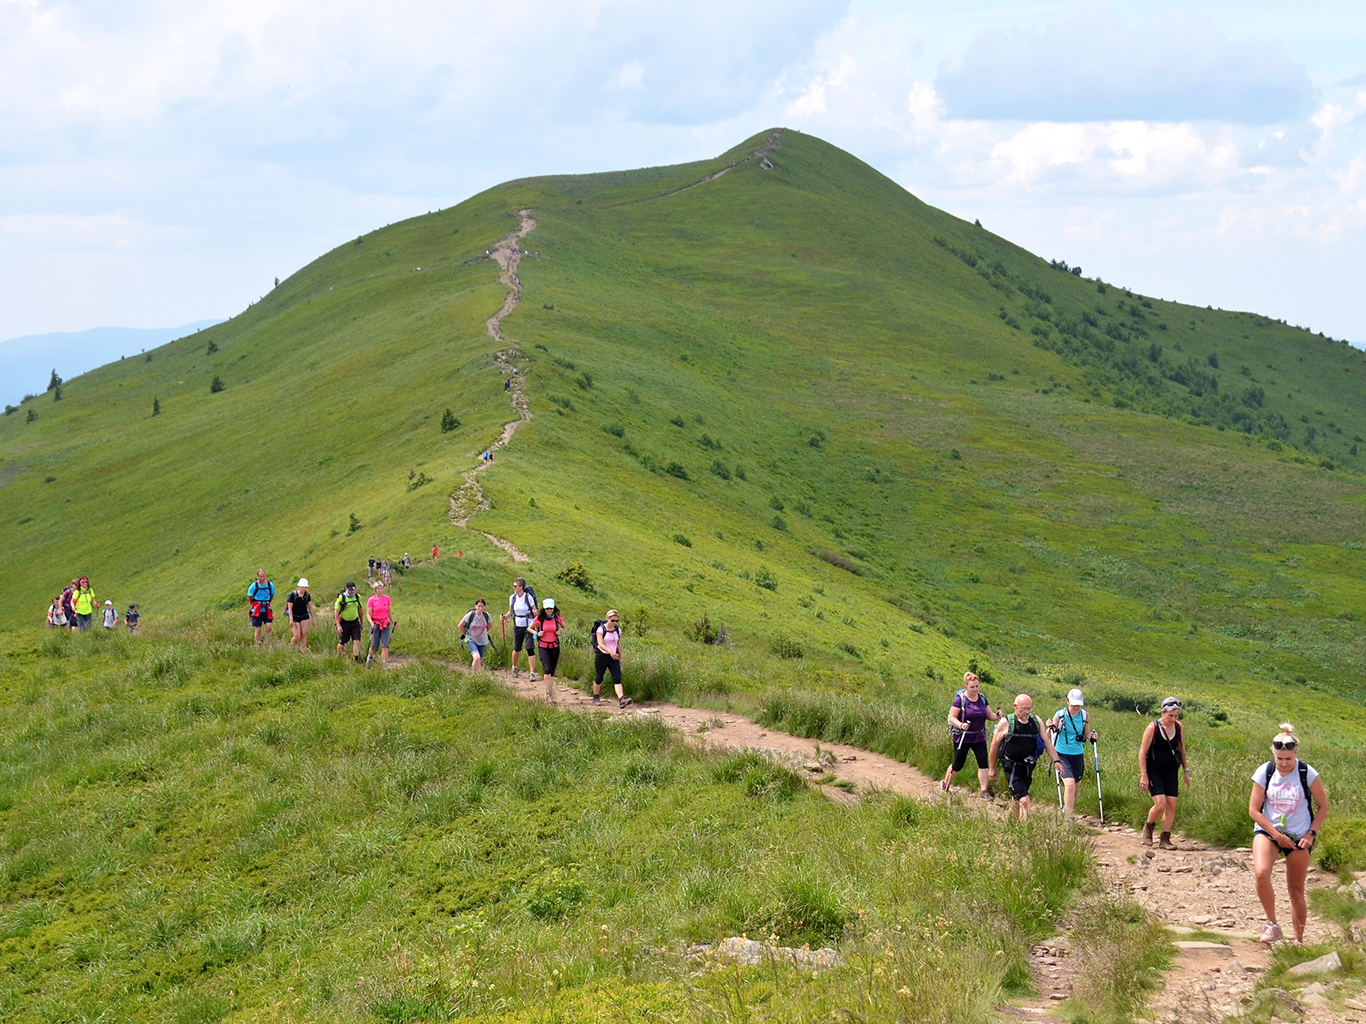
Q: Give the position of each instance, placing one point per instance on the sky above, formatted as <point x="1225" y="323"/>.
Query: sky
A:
<point x="162" y="161"/>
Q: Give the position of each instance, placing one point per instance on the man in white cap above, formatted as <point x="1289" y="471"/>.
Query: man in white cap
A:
<point x="1072" y="728"/>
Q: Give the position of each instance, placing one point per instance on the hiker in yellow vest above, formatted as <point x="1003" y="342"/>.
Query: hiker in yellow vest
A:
<point x="83" y="600"/>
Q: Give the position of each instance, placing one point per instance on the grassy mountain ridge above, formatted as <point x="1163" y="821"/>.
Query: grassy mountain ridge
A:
<point x="965" y="460"/>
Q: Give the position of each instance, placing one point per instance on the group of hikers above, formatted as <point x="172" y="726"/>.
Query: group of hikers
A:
<point x="1287" y="805"/>
<point x="538" y="629"/>
<point x="350" y="614"/>
<point x="76" y="608"/>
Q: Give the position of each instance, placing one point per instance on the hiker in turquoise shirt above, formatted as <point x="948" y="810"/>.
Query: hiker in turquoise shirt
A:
<point x="1072" y="730"/>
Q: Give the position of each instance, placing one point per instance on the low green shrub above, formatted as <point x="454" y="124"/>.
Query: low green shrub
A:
<point x="1342" y="844"/>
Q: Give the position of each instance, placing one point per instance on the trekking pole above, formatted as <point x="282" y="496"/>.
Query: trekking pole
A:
<point x="1100" y="796"/>
<point x="1057" y="779"/>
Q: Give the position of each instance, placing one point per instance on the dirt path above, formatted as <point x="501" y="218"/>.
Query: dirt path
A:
<point x="1198" y="889"/>
<point x="761" y="154"/>
<point x="469" y="498"/>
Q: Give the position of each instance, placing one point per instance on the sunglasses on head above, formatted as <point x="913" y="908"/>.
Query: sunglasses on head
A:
<point x="1285" y="744"/>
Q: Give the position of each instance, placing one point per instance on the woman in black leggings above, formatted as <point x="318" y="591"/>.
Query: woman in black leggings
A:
<point x="968" y="717"/>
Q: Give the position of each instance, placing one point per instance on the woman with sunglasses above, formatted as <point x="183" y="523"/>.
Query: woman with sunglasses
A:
<point x="1288" y="806"/>
<point x="1161" y="754"/>
<point x="607" y="644"/>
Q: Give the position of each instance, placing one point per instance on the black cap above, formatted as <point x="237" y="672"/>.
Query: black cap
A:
<point x="350" y="586"/>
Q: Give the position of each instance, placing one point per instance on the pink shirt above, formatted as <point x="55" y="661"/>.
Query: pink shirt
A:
<point x="379" y="609"/>
<point x="608" y="639"/>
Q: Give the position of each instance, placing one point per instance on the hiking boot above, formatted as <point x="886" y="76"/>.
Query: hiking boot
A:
<point x="624" y="702"/>
<point x="532" y="676"/>
<point x="369" y="660"/>
<point x="1271" y="934"/>
<point x="516" y="671"/>
<point x="1148" y="834"/>
<point x="596" y="700"/>
<point x="1165" y="843"/>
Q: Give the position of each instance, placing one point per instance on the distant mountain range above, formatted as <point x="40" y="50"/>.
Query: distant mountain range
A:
<point x="26" y="363"/>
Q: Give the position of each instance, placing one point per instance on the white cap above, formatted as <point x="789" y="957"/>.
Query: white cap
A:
<point x="1074" y="698"/>
<point x="548" y="603"/>
<point x="302" y="582"/>
<point x="109" y="604"/>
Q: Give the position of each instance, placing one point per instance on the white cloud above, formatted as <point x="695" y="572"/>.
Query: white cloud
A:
<point x="1092" y="65"/>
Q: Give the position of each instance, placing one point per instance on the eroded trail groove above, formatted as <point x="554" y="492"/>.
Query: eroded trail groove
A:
<point x="469" y="498"/>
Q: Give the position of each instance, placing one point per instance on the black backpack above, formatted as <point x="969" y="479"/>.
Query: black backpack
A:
<point x="593" y="636"/>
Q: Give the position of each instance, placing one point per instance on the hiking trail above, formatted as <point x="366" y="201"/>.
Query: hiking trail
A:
<point x="469" y="498"/>
<point x="760" y="154"/>
<point x="1197" y="888"/>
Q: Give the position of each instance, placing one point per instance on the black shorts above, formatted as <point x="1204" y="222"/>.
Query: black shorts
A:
<point x="1164" y="782"/>
<point x="522" y="635"/>
<point x="350" y="630"/>
<point x="549" y="658"/>
<point x="606" y="663"/>
<point x="960" y="754"/>
<point x="1020" y="776"/>
<point x="1073" y="765"/>
<point x="1281" y="851"/>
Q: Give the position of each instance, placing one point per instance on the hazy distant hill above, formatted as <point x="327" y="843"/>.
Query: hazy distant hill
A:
<point x="26" y="363"/>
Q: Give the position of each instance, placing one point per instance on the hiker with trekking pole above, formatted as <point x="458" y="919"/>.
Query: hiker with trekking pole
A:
<point x="522" y="610"/>
<point x="1072" y="730"/>
<point x="1020" y="740"/>
<point x="1161" y="755"/>
<point x="968" y="717"/>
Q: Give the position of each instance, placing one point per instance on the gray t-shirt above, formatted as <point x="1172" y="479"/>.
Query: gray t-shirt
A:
<point x="477" y="627"/>
<point x="1286" y="805"/>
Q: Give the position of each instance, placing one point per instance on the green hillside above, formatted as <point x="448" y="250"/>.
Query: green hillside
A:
<point x="875" y="443"/>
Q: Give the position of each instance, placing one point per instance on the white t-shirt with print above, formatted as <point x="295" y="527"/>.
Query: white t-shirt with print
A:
<point x="1286" y="805"/>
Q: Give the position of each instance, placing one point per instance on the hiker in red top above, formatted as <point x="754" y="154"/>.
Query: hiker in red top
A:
<point x="433" y="552"/>
<point x="547" y="627"/>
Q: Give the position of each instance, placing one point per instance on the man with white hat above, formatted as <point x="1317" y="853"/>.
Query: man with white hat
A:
<point x="1073" y="729"/>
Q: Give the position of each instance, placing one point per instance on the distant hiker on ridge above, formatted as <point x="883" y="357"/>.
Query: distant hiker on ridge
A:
<point x="260" y="594"/>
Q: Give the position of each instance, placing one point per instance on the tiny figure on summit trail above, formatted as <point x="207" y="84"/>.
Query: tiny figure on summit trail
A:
<point x="1021" y="740"/>
<point x="349" y="613"/>
<point x="606" y="640"/>
<point x="474" y="631"/>
<point x="1287" y="807"/>
<point x="299" y="611"/>
<point x="521" y="610"/>
<point x="1073" y="731"/>
<point x="1161" y="754"/>
<point x="547" y="628"/>
<point x="261" y="593"/>
<point x="968" y="717"/>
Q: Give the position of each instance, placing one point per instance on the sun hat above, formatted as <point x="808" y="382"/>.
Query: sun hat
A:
<point x="1171" y="702"/>
<point x="1074" y="698"/>
<point x="549" y="603"/>
<point x="303" y="582"/>
<point x="109" y="604"/>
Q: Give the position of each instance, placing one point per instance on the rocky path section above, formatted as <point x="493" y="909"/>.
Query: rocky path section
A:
<point x="469" y="498"/>
<point x="761" y="154"/>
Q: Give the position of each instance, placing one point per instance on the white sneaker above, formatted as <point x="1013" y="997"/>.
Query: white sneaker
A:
<point x="533" y="676"/>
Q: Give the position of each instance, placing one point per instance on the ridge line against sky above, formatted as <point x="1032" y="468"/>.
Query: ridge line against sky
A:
<point x="160" y="162"/>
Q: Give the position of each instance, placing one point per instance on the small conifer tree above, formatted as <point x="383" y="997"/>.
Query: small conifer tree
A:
<point x="54" y="381"/>
<point x="217" y="385"/>
<point x="156" y="406"/>
<point x="449" y="422"/>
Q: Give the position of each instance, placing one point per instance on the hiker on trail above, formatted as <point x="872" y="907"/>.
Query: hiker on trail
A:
<point x="968" y="717"/>
<point x="1161" y="755"/>
<point x="1072" y="729"/>
<point x="507" y="383"/>
<point x="1288" y="806"/>
<point x="474" y="631"/>
<point x="69" y="603"/>
<point x="521" y="610"/>
<point x="381" y="626"/>
<point x="83" y="601"/>
<point x="56" y="614"/>
<point x="433" y="552"/>
<point x="131" y="617"/>
<point x="260" y="594"/>
<point x="407" y="562"/>
<point x="1020" y="739"/>
<point x="111" y="615"/>
<point x="607" y="645"/>
<point x="299" y="609"/>
<point x="349" y="613"/>
<point x="547" y="629"/>
<point x="370" y="569"/>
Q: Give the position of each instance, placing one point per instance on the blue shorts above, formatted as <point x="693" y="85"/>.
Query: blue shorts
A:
<point x="475" y="648"/>
<point x="1073" y="765"/>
